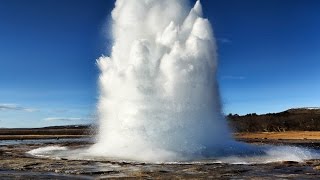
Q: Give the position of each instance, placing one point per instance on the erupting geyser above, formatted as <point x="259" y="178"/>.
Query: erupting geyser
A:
<point x="158" y="89"/>
<point x="159" y="100"/>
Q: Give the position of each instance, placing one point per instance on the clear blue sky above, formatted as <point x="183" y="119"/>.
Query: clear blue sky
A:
<point x="269" y="57"/>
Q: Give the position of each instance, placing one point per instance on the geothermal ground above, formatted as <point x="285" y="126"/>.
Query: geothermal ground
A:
<point x="15" y="163"/>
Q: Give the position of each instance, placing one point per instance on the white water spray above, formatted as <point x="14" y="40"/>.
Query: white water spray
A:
<point x="158" y="89"/>
<point x="159" y="100"/>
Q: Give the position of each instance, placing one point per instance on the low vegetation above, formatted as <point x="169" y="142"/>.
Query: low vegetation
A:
<point x="302" y="119"/>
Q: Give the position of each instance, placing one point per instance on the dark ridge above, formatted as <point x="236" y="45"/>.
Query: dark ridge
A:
<point x="298" y="119"/>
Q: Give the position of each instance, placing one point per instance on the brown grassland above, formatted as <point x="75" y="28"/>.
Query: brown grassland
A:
<point x="288" y="135"/>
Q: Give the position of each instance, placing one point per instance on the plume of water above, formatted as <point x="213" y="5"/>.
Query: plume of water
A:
<point x="159" y="100"/>
<point x="158" y="90"/>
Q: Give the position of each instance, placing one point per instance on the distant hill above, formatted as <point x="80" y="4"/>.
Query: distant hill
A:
<point x="52" y="130"/>
<point x="297" y="119"/>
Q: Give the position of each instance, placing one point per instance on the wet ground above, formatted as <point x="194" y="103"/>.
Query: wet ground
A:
<point x="16" y="164"/>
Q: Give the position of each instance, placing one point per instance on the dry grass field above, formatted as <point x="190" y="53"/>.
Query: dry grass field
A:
<point x="46" y="133"/>
<point x="289" y="135"/>
<point x="34" y="137"/>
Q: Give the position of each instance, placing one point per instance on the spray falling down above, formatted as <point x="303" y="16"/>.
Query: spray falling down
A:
<point x="158" y="89"/>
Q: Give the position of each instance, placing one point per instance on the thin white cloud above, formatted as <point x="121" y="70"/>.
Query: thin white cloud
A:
<point x="234" y="77"/>
<point x="61" y="110"/>
<point x="66" y="119"/>
<point x="15" y="107"/>
<point x="224" y="40"/>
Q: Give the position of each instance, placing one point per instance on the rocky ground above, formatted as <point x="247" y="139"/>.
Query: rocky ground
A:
<point x="16" y="164"/>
